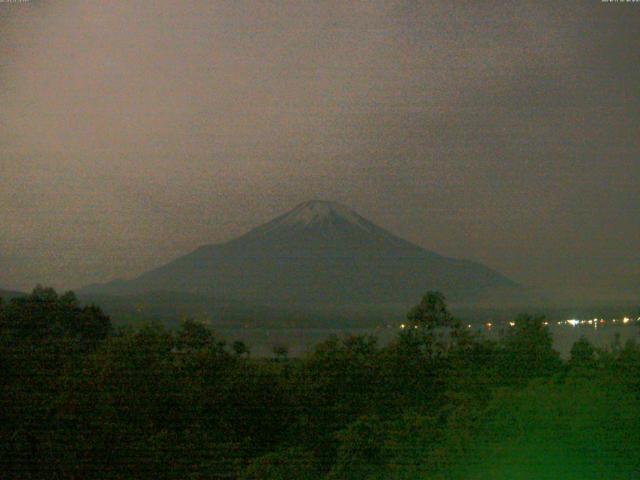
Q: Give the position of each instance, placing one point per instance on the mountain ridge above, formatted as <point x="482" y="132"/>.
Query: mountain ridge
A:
<point x="320" y="252"/>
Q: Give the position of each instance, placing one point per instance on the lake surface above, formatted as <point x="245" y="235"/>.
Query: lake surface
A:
<point x="302" y="340"/>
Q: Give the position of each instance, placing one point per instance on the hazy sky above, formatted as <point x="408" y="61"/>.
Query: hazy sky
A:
<point x="132" y="132"/>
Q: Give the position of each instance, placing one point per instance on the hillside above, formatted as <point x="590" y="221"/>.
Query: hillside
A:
<point x="319" y="253"/>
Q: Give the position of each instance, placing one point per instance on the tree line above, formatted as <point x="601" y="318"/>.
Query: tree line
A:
<point x="81" y="399"/>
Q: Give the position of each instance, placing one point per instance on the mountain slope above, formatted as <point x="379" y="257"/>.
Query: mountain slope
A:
<point x="319" y="253"/>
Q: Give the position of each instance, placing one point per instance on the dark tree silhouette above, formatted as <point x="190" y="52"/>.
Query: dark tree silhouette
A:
<point x="281" y="351"/>
<point x="529" y="350"/>
<point x="240" y="348"/>
<point x="583" y="355"/>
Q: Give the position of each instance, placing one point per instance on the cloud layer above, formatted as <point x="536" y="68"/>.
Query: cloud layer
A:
<point x="130" y="133"/>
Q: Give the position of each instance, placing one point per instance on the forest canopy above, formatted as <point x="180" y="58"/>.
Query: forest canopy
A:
<point x="82" y="399"/>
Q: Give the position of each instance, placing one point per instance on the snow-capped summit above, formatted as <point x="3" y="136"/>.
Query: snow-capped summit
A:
<point x="322" y="211"/>
<point x="322" y="217"/>
<point x="319" y="227"/>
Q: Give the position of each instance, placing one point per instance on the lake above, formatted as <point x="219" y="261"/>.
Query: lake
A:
<point x="301" y="340"/>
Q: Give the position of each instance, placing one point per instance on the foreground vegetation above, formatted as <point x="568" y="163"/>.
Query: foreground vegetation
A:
<point x="82" y="400"/>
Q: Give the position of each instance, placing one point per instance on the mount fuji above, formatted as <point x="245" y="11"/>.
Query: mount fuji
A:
<point x="319" y="253"/>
